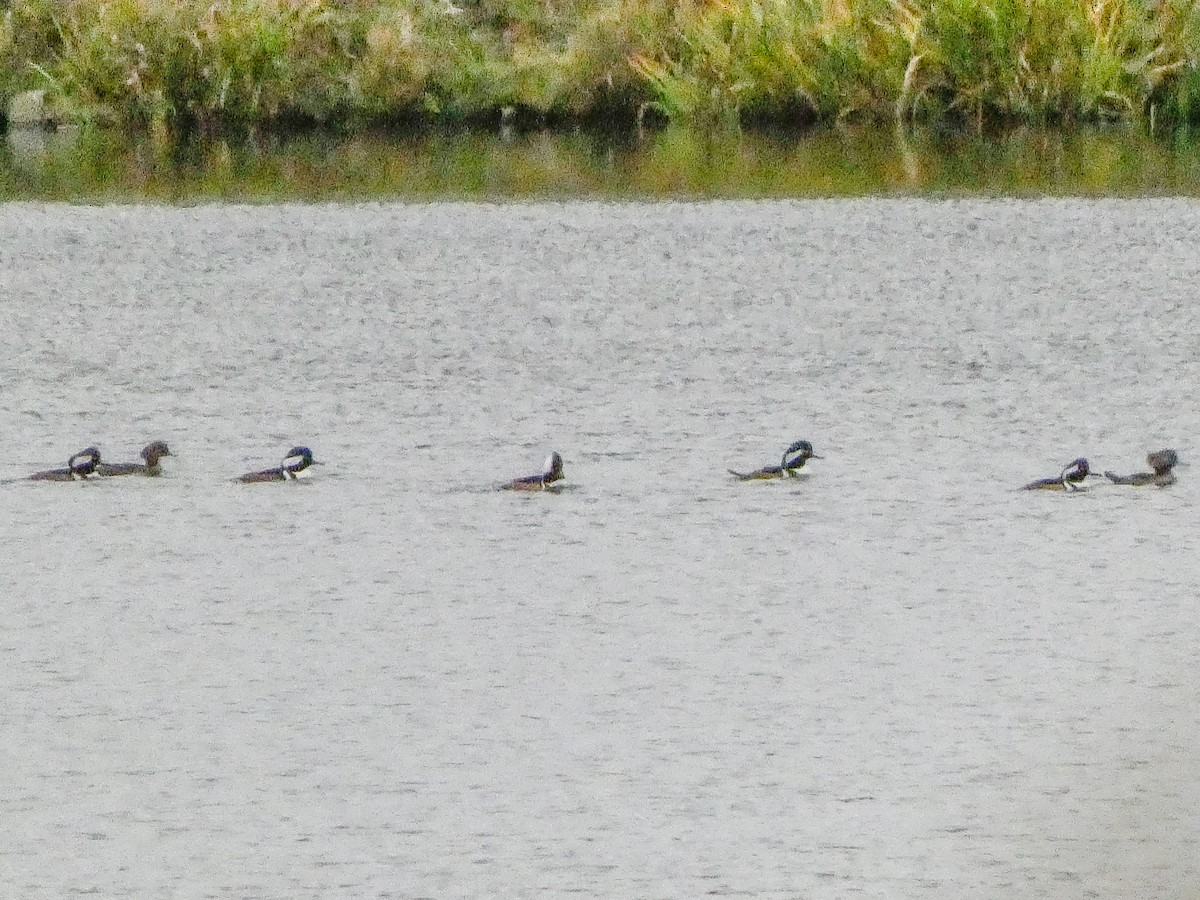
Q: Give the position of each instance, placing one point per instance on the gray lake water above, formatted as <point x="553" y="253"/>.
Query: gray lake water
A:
<point x="899" y="676"/>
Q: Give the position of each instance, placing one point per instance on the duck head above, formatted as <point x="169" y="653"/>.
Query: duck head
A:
<point x="155" y="451"/>
<point x="83" y="463"/>
<point x="552" y="469"/>
<point x="297" y="460"/>
<point x="797" y="454"/>
<point x="1162" y="461"/>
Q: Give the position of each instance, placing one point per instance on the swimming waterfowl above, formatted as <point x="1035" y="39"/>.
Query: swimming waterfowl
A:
<point x="151" y="453"/>
<point x="81" y="465"/>
<point x="552" y="470"/>
<point x="1070" y="479"/>
<point x="794" y="458"/>
<point x="298" y="459"/>
<point x="1160" y="461"/>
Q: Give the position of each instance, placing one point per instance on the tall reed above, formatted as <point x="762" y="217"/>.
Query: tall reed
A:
<point x="243" y="64"/>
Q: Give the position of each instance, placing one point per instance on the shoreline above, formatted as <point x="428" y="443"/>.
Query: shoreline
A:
<point x="110" y="165"/>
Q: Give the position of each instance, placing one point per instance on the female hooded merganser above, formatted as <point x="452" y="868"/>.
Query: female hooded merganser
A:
<point x="794" y="458"/>
<point x="81" y="465"/>
<point x="1161" y="461"/>
<point x="1070" y="479"/>
<point x="297" y="460"/>
<point x="552" y="470"/>
<point x="151" y="453"/>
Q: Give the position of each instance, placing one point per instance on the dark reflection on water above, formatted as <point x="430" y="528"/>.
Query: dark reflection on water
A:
<point x="94" y="165"/>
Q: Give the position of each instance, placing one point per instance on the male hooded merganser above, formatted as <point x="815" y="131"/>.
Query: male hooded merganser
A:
<point x="552" y="470"/>
<point x="1161" y="461"/>
<point x="81" y="465"/>
<point x="1070" y="479"/>
<point x="297" y="460"/>
<point x="794" y="458"/>
<point x="151" y="453"/>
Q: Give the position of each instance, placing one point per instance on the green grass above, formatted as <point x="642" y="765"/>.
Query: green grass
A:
<point x="230" y="66"/>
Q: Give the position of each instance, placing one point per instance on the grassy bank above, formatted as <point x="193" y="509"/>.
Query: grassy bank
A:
<point x="237" y="65"/>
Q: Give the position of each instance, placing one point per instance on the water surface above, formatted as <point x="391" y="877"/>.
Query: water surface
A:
<point x="96" y="165"/>
<point x="896" y="677"/>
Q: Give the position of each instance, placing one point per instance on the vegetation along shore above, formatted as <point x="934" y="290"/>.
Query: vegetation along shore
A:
<point x="183" y="66"/>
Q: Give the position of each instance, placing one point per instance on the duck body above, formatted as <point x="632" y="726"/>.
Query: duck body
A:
<point x="552" y="471"/>
<point x="80" y="466"/>
<point x="764" y="473"/>
<point x="275" y="474"/>
<point x="151" y="454"/>
<point x="1048" y="484"/>
<point x="1161" y="463"/>
<point x="1143" y="479"/>
<point x="1070" y="479"/>
<point x="794" y="458"/>
<point x="293" y="467"/>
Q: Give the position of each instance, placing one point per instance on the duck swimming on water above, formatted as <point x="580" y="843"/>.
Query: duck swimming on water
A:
<point x="151" y="453"/>
<point x="1160" y="461"/>
<point x="81" y="465"/>
<point x="794" y="458"/>
<point x="552" y="471"/>
<point x="294" y="466"/>
<point x="1070" y="479"/>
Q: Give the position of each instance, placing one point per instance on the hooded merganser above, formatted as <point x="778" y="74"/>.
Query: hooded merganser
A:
<point x="552" y="470"/>
<point x="81" y="465"/>
<point x="1161" y="461"/>
<point x="794" y="458"/>
<point x="297" y="460"/>
<point x="151" y="453"/>
<point x="1070" y="479"/>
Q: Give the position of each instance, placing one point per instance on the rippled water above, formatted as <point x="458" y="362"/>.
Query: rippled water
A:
<point x="896" y="677"/>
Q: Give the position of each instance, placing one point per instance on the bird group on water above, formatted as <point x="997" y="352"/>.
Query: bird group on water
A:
<point x="87" y="464"/>
<point x="1077" y="471"/>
